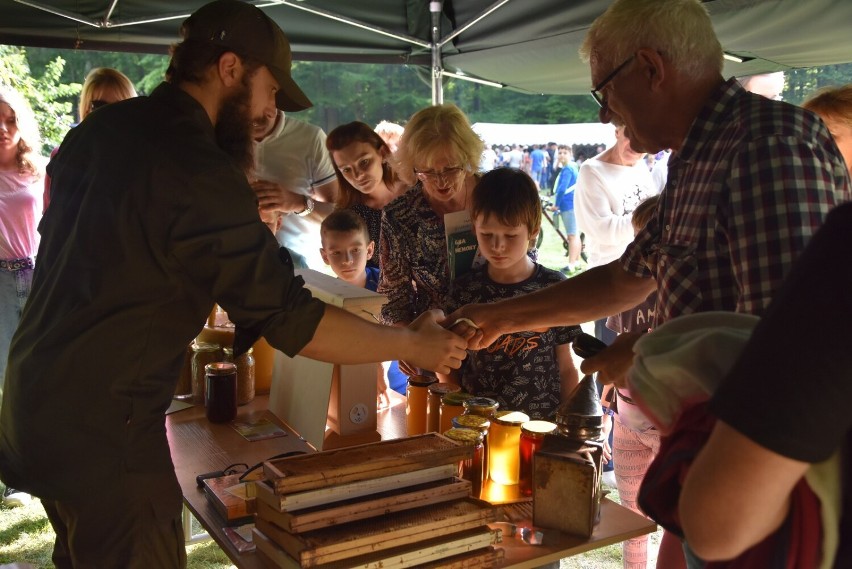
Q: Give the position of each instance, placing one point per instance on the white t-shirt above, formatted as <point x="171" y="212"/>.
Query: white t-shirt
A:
<point x="294" y="155"/>
<point x="605" y="197"/>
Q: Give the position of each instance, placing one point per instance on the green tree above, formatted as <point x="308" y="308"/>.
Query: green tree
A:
<point x="47" y="95"/>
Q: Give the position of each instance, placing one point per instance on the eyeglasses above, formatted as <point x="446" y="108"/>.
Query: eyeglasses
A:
<point x="597" y="95"/>
<point x="447" y="175"/>
<point x="97" y="104"/>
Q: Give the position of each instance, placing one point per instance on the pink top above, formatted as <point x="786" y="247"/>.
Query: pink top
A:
<point x="20" y="212"/>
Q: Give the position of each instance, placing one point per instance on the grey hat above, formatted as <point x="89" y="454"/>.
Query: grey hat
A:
<point x="249" y="32"/>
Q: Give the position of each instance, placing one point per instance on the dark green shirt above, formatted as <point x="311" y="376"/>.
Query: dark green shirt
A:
<point x="149" y="224"/>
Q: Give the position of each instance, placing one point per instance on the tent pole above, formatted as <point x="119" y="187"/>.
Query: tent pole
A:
<point x="437" y="65"/>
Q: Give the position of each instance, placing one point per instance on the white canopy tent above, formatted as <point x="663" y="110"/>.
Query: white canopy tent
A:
<point x="527" y="134"/>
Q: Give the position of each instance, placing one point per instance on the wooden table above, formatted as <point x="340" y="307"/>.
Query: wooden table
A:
<point x="198" y="446"/>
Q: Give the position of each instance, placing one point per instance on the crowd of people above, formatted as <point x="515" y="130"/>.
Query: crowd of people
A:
<point x="706" y="202"/>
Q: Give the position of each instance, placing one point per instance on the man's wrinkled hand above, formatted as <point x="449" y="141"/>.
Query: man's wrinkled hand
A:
<point x="272" y="196"/>
<point x="476" y="317"/>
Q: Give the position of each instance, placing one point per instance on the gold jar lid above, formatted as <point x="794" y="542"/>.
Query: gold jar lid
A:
<point x="538" y="429"/>
<point x="205" y="347"/>
<point x="444" y="388"/>
<point x="513" y="418"/>
<point x="477" y="422"/>
<point x="465" y="436"/>
<point x="421" y="380"/>
<point x="455" y="398"/>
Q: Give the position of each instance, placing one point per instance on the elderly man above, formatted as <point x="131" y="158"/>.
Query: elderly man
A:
<point x="152" y="222"/>
<point x="750" y="180"/>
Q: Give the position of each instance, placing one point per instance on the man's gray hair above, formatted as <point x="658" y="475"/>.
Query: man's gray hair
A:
<point x="680" y="30"/>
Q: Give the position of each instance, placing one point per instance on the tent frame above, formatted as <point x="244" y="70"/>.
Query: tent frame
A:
<point x="435" y="46"/>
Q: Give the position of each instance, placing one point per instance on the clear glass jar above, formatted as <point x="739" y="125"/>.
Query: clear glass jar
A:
<point x="245" y="374"/>
<point x="483" y="406"/>
<point x="472" y="469"/>
<point x="202" y="354"/>
<point x="451" y="406"/>
<point x="532" y="437"/>
<point x="433" y="412"/>
<point x="504" y="438"/>
<point x="416" y="403"/>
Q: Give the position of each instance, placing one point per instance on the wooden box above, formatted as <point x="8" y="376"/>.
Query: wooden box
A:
<point x="364" y="462"/>
<point x="268" y="504"/>
<point x="233" y="509"/>
<point x="567" y="485"/>
<point x="470" y="549"/>
<point x="397" y="529"/>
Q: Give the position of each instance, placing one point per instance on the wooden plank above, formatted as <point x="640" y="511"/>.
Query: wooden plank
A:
<point x="392" y="530"/>
<point x="362" y="462"/>
<point x="433" y="550"/>
<point x="359" y="508"/>
<point x="330" y="495"/>
<point x="480" y="559"/>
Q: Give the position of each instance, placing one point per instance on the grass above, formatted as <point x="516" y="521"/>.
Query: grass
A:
<point x="26" y="535"/>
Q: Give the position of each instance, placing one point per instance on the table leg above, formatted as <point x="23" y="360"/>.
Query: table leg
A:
<point x="188" y="537"/>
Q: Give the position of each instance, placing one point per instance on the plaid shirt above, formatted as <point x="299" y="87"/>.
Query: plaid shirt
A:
<point x="752" y="182"/>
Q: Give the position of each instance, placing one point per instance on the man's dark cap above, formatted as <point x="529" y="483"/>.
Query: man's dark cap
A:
<point x="249" y="32"/>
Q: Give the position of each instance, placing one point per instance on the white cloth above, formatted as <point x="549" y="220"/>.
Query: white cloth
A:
<point x="294" y="155"/>
<point x="605" y="197"/>
<point x="682" y="362"/>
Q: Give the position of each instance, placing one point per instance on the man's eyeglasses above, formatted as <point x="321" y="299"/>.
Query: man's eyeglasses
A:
<point x="446" y="176"/>
<point x="597" y="95"/>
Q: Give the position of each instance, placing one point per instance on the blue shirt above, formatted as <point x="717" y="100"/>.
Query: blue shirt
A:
<point x="565" y="187"/>
<point x="372" y="278"/>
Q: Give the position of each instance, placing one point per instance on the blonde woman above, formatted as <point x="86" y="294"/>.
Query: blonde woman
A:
<point x="438" y="156"/>
<point x="834" y="107"/>
<point x="20" y="212"/>
<point x="103" y="85"/>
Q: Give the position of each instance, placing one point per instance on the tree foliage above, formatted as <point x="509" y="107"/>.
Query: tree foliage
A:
<point x="340" y="92"/>
<point x="47" y="94"/>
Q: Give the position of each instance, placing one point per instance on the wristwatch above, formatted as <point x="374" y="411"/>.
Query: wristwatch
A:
<point x="309" y="207"/>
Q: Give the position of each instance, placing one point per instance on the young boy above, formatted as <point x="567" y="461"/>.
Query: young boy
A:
<point x="527" y="371"/>
<point x="346" y="247"/>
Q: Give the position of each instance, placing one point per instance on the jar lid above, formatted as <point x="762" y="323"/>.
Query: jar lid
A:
<point x="205" y="347"/>
<point x="229" y="351"/>
<point x="444" y="388"/>
<point x="477" y="422"/>
<point x="422" y="380"/>
<point x="515" y="418"/>
<point x="481" y="402"/>
<point x="220" y="368"/>
<point x="455" y="398"/>
<point x="538" y="428"/>
<point x="463" y="435"/>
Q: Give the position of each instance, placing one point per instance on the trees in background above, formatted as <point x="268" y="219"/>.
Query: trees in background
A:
<point x="340" y="92"/>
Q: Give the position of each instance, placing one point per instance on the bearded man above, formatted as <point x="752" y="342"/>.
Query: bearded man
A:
<point x="152" y="222"/>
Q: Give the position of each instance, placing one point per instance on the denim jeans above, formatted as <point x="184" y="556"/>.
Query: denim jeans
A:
<point x="14" y="290"/>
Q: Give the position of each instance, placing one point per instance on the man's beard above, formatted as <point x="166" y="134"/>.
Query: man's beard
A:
<point x="234" y="128"/>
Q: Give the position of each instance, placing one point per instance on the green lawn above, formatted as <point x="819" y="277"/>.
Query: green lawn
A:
<point x="25" y="534"/>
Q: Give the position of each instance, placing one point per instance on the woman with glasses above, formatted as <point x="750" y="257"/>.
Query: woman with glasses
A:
<point x="439" y="155"/>
<point x="103" y="85"/>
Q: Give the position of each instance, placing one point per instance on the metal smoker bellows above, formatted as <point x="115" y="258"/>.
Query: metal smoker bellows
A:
<point x="579" y="417"/>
